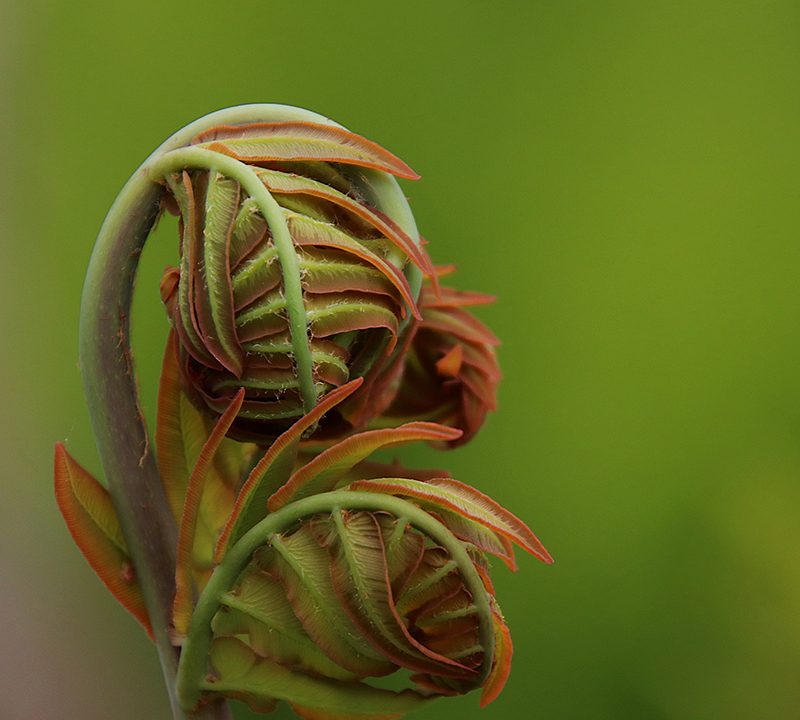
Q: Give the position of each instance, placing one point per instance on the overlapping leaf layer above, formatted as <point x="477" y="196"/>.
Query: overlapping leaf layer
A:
<point x="249" y="308"/>
<point x="339" y="593"/>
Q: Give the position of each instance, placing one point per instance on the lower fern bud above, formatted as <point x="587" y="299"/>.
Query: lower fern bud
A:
<point x="365" y="588"/>
<point x="350" y="575"/>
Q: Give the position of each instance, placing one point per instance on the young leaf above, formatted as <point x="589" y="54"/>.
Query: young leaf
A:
<point x="259" y="609"/>
<point x="403" y="547"/>
<point x="181" y="431"/>
<point x="344" y="312"/>
<point x="446" y="495"/>
<point x="241" y="674"/>
<point x="361" y="580"/>
<point x="302" y="566"/>
<point x="87" y="509"/>
<point x="328" y="271"/>
<point x="435" y="577"/>
<point x="501" y="665"/>
<point x="182" y="606"/>
<point x="215" y="305"/>
<point x="325" y="471"/>
<point x="273" y="470"/>
<point x="265" y="142"/>
<point x="308" y="231"/>
<point x="183" y="190"/>
<point x="286" y="183"/>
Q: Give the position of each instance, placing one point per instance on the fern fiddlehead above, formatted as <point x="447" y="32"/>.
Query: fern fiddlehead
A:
<point x="269" y="558"/>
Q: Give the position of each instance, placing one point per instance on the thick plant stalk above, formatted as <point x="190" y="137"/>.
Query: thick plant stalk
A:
<point x="109" y="379"/>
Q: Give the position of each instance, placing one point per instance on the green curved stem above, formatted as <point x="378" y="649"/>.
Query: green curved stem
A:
<point x="194" y="658"/>
<point x="195" y="157"/>
<point x="109" y="380"/>
<point x="382" y="190"/>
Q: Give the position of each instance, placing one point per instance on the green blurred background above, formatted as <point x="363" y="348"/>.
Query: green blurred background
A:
<point x="622" y="175"/>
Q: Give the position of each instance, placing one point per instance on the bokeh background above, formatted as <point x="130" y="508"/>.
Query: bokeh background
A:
<point x="623" y="175"/>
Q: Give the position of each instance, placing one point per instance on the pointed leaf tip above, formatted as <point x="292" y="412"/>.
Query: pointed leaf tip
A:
<point x="449" y="364"/>
<point x="468" y="512"/>
<point x="501" y="667"/>
<point x="91" y="519"/>
<point x="326" y="470"/>
<point x="182" y="604"/>
<point x="271" y="141"/>
<point x="273" y="470"/>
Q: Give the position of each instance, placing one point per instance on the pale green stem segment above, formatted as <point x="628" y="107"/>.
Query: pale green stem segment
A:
<point x="110" y="384"/>
<point x="382" y="191"/>
<point x="193" y="666"/>
<point x="200" y="158"/>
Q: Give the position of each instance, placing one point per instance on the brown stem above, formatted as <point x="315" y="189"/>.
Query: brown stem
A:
<point x="122" y="438"/>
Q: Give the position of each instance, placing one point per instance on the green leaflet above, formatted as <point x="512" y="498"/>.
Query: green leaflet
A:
<point x="326" y="470"/>
<point x="259" y="609"/>
<point x="307" y="206"/>
<point x="322" y="272"/>
<point x="302" y="566"/>
<point x="444" y="617"/>
<point x="331" y="314"/>
<point x="265" y="317"/>
<point x="273" y="470"/>
<point x="322" y="172"/>
<point x="258" y="681"/>
<point x="260" y="379"/>
<point x="447" y="496"/>
<point x="256" y="276"/>
<point x="182" y="606"/>
<point x="329" y="272"/>
<point x="360" y="578"/>
<point x="264" y="142"/>
<point x="482" y="537"/>
<point x="249" y="230"/>
<point x="447" y="623"/>
<point x="501" y="665"/>
<point x="403" y="548"/>
<point x="215" y="305"/>
<point x="181" y="431"/>
<point x="435" y="576"/>
<point x="290" y="184"/>
<point x="183" y="190"/>
<point x="308" y="231"/>
<point x="449" y="627"/>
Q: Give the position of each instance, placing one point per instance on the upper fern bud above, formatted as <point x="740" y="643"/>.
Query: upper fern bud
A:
<point x="293" y="279"/>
